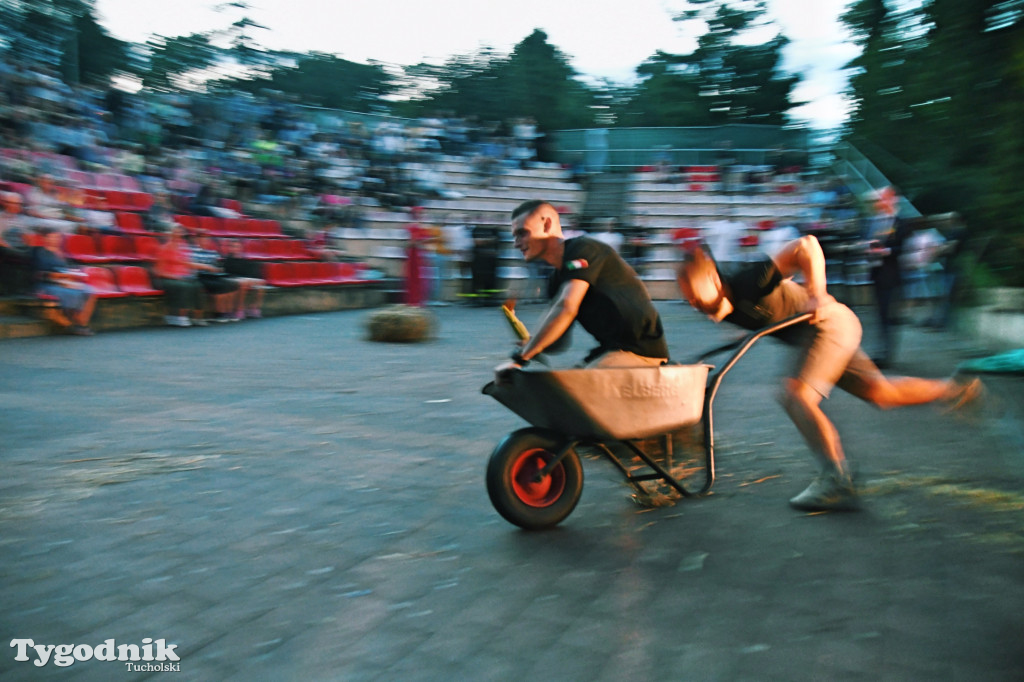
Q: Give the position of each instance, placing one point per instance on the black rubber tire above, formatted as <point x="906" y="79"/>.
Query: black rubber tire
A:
<point x="510" y="485"/>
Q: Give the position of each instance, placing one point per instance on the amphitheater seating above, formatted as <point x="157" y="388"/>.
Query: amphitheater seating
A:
<point x="134" y="280"/>
<point x="118" y="248"/>
<point x="130" y="223"/>
<point x="190" y="222"/>
<point x="146" y="247"/>
<point x="232" y="204"/>
<point x="312" y="273"/>
<point x="255" y="249"/>
<point x="280" y="275"/>
<point x="81" y="248"/>
<point x="101" y="280"/>
<point x="231" y="227"/>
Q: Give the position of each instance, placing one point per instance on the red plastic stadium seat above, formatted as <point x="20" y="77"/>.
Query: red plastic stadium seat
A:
<point x="305" y="274"/>
<point x="117" y="248"/>
<point x="134" y="281"/>
<point x="95" y="199"/>
<point x="130" y="223"/>
<point x="235" y="227"/>
<point x="101" y="280"/>
<point x="270" y="228"/>
<point x="300" y="249"/>
<point x="117" y="200"/>
<point x="326" y="273"/>
<point x="190" y="222"/>
<point x="233" y="204"/>
<point x="278" y="249"/>
<point x="253" y="226"/>
<point x="211" y="225"/>
<point x="345" y="272"/>
<point x="81" y="248"/>
<point x="255" y="249"/>
<point x="146" y="247"/>
<point x="749" y="241"/>
<point x="279" y="274"/>
<point x="140" y="201"/>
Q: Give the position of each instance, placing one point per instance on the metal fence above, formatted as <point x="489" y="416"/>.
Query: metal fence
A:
<point x="626" y="148"/>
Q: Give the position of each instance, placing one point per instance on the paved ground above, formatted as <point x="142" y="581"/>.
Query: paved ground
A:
<point x="284" y="500"/>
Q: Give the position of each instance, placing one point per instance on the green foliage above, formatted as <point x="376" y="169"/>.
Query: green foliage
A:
<point x="96" y="56"/>
<point x="727" y="79"/>
<point x="172" y="58"/>
<point x="534" y="81"/>
<point x="940" y="87"/>
<point x="325" y="80"/>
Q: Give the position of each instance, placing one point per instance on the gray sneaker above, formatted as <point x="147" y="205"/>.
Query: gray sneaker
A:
<point x="827" y="492"/>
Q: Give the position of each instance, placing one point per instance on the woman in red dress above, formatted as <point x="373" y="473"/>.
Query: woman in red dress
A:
<point x="415" y="284"/>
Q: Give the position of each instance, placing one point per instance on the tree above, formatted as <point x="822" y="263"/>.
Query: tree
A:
<point x="96" y="55"/>
<point x="541" y="84"/>
<point x="322" y="79"/>
<point x="730" y="78"/>
<point x="65" y="35"/>
<point x="668" y="96"/>
<point x="171" y="60"/>
<point x="534" y="81"/>
<point x="938" y="92"/>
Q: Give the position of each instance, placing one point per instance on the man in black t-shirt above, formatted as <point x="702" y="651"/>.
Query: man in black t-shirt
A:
<point x="761" y="293"/>
<point x="591" y="284"/>
<point x="485" y="261"/>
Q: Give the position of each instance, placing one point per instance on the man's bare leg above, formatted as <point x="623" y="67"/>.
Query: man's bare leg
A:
<point x="803" y="405"/>
<point x="888" y="393"/>
<point x="833" y="489"/>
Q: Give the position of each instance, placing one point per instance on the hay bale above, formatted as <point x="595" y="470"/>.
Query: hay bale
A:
<point x="400" y="324"/>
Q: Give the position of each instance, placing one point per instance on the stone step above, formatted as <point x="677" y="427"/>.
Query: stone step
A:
<point x="19" y="327"/>
<point x="9" y="306"/>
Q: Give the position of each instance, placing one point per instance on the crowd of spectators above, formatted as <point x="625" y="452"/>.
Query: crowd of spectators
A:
<point x="217" y="154"/>
<point x="227" y="152"/>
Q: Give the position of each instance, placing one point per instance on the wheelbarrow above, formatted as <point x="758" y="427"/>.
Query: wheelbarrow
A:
<point x="534" y="475"/>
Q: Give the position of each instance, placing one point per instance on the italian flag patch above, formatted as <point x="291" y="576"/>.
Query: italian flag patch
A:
<point x="578" y="264"/>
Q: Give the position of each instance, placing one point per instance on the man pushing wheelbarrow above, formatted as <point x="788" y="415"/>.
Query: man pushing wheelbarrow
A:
<point x="628" y="392"/>
<point x="761" y="293"/>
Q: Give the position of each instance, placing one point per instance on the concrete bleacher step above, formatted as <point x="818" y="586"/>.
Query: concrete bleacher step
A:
<point x="20" y="327"/>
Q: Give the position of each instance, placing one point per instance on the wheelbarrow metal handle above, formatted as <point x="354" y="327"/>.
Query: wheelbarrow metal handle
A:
<point x="714" y="380"/>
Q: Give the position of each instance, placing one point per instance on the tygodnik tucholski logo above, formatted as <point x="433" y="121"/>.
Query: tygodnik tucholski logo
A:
<point x="152" y="655"/>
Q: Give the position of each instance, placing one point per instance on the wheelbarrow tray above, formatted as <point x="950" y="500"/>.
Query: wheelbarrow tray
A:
<point x="606" y="403"/>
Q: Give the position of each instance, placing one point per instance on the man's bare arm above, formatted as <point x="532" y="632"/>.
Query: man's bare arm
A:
<point x="558" y="319"/>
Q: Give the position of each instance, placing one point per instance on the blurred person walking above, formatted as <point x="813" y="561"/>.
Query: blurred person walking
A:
<point x="486" y="241"/>
<point x="887" y="235"/>
<point x="762" y="292"/>
<point x="418" y="238"/>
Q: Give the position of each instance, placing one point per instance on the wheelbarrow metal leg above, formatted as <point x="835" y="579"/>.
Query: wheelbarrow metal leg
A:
<point x="550" y="466"/>
<point x="662" y="473"/>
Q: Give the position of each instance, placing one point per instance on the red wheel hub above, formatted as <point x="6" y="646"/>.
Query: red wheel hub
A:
<point x="542" y="493"/>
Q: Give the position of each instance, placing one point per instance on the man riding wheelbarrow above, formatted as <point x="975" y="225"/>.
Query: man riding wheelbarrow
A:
<point x="591" y="284"/>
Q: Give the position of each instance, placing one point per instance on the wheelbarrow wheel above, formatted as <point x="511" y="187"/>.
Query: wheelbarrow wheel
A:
<point x="512" y="482"/>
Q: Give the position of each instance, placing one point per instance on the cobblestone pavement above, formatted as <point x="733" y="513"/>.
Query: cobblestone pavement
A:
<point x="283" y="500"/>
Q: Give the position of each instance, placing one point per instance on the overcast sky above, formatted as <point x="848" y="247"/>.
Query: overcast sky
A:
<point x="602" y="38"/>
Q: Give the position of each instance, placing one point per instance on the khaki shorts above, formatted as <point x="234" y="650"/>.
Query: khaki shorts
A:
<point x="832" y="355"/>
<point x="623" y="358"/>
